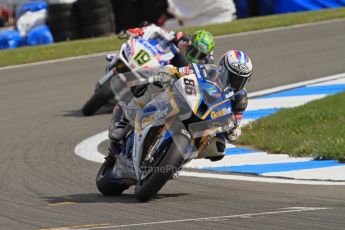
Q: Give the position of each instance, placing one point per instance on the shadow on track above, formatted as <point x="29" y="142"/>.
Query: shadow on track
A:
<point x="107" y="109"/>
<point x="98" y="198"/>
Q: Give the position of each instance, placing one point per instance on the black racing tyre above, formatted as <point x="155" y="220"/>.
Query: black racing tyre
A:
<point x="60" y="16"/>
<point x="128" y="14"/>
<point x="86" y="5"/>
<point x="65" y="35"/>
<point x="97" y="30"/>
<point x="98" y="99"/>
<point x="96" y="22"/>
<point x="104" y="184"/>
<point x="97" y="16"/>
<point x="63" y="21"/>
<point x="67" y="13"/>
<point x="152" y="10"/>
<point x="56" y="19"/>
<point x="163" y="171"/>
<point x="63" y="26"/>
<point x="58" y="8"/>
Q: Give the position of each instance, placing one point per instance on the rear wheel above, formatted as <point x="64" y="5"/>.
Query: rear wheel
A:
<point x="104" y="183"/>
<point x="156" y="175"/>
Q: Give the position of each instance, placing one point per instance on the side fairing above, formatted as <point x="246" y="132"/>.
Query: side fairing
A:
<point x="139" y="137"/>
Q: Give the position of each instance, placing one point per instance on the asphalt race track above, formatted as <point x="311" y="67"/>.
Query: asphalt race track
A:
<point x="45" y="185"/>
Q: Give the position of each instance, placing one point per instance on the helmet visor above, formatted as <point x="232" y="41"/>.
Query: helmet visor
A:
<point x="194" y="55"/>
<point x="237" y="82"/>
<point x="232" y="80"/>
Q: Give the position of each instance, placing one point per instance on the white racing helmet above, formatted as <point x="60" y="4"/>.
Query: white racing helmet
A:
<point x="235" y="69"/>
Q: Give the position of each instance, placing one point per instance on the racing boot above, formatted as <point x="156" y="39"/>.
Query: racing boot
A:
<point x="118" y="128"/>
<point x="114" y="150"/>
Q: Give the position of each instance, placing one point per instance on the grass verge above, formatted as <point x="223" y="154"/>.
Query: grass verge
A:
<point x="313" y="130"/>
<point x="89" y="46"/>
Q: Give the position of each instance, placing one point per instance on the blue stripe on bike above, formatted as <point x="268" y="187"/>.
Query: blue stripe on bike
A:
<point x="279" y="167"/>
<point x="256" y="114"/>
<point x="311" y="90"/>
<point x="238" y="151"/>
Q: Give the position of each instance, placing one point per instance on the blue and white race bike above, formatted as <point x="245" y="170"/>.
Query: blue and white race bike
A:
<point x="154" y="49"/>
<point x="175" y="127"/>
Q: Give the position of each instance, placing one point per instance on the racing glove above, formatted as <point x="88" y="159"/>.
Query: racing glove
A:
<point x="235" y="133"/>
<point x="163" y="80"/>
<point x="181" y="41"/>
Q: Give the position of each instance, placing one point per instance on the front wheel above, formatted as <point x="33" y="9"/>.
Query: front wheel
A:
<point x="105" y="184"/>
<point x="98" y="99"/>
<point x="164" y="170"/>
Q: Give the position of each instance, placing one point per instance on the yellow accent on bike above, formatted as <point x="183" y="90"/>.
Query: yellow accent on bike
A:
<point x="212" y="108"/>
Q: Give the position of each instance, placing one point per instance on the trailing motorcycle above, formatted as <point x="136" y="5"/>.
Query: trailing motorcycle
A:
<point x="168" y="132"/>
<point x="155" y="48"/>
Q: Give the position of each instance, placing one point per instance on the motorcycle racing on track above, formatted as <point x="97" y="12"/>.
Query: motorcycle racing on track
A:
<point x="172" y="116"/>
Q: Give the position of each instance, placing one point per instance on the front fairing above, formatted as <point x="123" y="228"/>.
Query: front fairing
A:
<point x="210" y="106"/>
<point x="205" y="98"/>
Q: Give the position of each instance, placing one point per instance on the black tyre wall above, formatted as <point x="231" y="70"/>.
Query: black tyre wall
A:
<point x="152" y="10"/>
<point x="63" y="21"/>
<point x="128" y="14"/>
<point x="93" y="18"/>
<point x="97" y="18"/>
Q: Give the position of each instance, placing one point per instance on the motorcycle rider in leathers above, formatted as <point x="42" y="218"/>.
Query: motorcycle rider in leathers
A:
<point x="197" y="49"/>
<point x="234" y="71"/>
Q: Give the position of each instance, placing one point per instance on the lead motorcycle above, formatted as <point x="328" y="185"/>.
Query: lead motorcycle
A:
<point x="155" y="48"/>
<point x="168" y="132"/>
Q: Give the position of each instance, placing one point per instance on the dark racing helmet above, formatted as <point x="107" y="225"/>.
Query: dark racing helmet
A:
<point x="235" y="68"/>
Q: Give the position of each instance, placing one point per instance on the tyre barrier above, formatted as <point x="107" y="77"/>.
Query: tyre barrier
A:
<point x="130" y="13"/>
<point x="63" y="21"/>
<point x="91" y="18"/>
<point x="152" y="10"/>
<point x="96" y="17"/>
<point x="127" y="13"/>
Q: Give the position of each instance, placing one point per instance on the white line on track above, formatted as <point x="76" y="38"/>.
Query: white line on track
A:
<point x="55" y="61"/>
<point x="88" y="148"/>
<point x="218" y="37"/>
<point x="259" y="179"/>
<point x="213" y="218"/>
<point x="295" y="85"/>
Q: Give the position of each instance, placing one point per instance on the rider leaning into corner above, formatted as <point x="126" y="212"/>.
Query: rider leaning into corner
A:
<point x="195" y="49"/>
<point x="234" y="70"/>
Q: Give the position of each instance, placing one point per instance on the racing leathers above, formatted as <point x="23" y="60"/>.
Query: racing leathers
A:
<point x="180" y="39"/>
<point x="122" y="115"/>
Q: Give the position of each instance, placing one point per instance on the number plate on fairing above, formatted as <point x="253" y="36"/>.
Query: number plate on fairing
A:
<point x="188" y="87"/>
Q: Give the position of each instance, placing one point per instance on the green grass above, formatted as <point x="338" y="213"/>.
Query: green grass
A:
<point x="90" y="46"/>
<point x="316" y="129"/>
